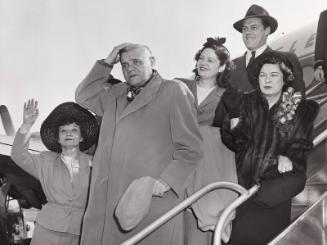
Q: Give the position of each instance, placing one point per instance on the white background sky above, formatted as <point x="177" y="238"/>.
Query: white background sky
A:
<point x="48" y="46"/>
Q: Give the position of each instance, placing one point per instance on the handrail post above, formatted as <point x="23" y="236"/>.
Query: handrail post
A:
<point x="228" y="211"/>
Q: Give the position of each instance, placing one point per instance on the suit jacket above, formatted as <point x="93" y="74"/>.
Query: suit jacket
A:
<point x="155" y="135"/>
<point x="239" y="78"/>
<point x="66" y="199"/>
<point x="321" y="42"/>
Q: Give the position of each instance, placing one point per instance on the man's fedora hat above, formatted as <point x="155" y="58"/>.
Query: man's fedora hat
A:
<point x="69" y="112"/>
<point x="257" y="12"/>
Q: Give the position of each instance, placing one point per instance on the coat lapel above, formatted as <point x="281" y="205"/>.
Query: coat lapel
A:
<point x="212" y="97"/>
<point x="143" y="98"/>
<point x="192" y="87"/>
<point x="121" y="103"/>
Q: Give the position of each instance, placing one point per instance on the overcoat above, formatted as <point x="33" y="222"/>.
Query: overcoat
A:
<point x="155" y="135"/>
<point x="239" y="77"/>
<point x="321" y="42"/>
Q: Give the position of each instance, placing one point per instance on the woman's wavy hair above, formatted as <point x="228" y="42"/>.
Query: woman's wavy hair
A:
<point x="216" y="44"/>
<point x="274" y="58"/>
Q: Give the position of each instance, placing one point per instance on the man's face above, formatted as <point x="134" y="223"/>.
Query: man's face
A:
<point x="137" y="65"/>
<point x="254" y="33"/>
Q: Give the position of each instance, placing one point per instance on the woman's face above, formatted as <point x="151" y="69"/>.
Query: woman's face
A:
<point x="70" y="135"/>
<point x="271" y="80"/>
<point x="208" y="64"/>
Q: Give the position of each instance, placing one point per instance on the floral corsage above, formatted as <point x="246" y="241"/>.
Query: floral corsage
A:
<point x="286" y="111"/>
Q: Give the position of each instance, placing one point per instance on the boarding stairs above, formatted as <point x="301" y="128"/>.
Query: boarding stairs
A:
<point x="309" y="208"/>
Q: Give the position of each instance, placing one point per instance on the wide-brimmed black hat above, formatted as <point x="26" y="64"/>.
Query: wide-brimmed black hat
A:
<point x="258" y="12"/>
<point x="69" y="112"/>
<point x="254" y="68"/>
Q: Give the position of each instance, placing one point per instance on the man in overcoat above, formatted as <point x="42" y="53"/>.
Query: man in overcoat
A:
<point x="255" y="27"/>
<point x="321" y="48"/>
<point x="149" y="128"/>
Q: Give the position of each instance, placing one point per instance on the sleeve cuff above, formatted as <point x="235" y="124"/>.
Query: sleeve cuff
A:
<point x="104" y="63"/>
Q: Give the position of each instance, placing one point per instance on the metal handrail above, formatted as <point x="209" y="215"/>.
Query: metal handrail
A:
<point x="221" y="223"/>
<point x="182" y="206"/>
<point x="299" y="219"/>
<point x="317" y="96"/>
<point x="228" y="211"/>
<point x="323" y="101"/>
<point x="320" y="138"/>
<point x="315" y="87"/>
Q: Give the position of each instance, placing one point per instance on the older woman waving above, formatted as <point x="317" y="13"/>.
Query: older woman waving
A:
<point x="63" y="171"/>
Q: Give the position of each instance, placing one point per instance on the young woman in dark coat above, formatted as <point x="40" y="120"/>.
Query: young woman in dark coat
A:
<point x="270" y="131"/>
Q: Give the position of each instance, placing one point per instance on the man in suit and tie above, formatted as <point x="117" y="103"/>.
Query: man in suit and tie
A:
<point x="255" y="27"/>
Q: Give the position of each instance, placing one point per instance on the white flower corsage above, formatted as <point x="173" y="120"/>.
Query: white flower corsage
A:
<point x="287" y="108"/>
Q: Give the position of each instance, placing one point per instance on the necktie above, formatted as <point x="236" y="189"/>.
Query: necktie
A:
<point x="252" y="58"/>
<point x="132" y="92"/>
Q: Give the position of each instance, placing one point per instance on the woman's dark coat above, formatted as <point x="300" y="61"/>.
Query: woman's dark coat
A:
<point x="258" y="143"/>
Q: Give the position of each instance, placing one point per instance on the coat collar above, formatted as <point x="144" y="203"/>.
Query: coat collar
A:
<point x="124" y="108"/>
<point x="84" y="160"/>
<point x="212" y="96"/>
<point x="267" y="49"/>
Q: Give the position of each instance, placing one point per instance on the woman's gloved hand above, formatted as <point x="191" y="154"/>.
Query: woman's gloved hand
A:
<point x="232" y="100"/>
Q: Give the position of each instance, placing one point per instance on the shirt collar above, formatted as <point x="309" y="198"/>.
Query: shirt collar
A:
<point x="257" y="52"/>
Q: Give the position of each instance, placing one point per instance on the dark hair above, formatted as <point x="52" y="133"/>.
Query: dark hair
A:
<point x="285" y="68"/>
<point x="274" y="58"/>
<point x="67" y="121"/>
<point x="216" y="44"/>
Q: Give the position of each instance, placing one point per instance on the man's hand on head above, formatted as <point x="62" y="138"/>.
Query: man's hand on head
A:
<point x="113" y="57"/>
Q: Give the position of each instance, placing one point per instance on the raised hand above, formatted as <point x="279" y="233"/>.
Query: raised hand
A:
<point x="114" y="56"/>
<point x="31" y="112"/>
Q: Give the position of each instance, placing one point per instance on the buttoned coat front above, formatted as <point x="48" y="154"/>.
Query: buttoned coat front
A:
<point x="155" y="135"/>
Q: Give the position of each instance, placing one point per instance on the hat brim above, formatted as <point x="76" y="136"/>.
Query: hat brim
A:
<point x="75" y="113"/>
<point x="271" y="21"/>
<point x="135" y="203"/>
<point x="254" y="68"/>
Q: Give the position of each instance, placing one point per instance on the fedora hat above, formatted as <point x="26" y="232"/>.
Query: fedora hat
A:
<point x="69" y="112"/>
<point x="254" y="68"/>
<point x="135" y="203"/>
<point x="257" y="12"/>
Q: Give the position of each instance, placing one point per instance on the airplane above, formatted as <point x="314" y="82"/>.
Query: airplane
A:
<point x="19" y="185"/>
<point x="18" y="189"/>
